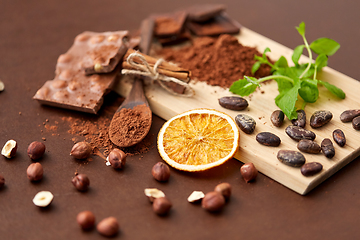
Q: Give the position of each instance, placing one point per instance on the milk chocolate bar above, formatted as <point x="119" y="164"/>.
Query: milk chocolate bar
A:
<point x="104" y="51"/>
<point x="204" y="12"/>
<point x="71" y="88"/>
<point x="221" y="24"/>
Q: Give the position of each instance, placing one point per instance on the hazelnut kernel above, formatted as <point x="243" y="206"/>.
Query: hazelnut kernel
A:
<point x="86" y="220"/>
<point x="153" y="193"/>
<point x="161" y="206"/>
<point x="2" y="181"/>
<point x="98" y="67"/>
<point x="213" y="201"/>
<point x="224" y="189"/>
<point x="248" y="172"/>
<point x="35" y="172"/>
<point x="117" y="158"/>
<point x="161" y="172"/>
<point x="196" y="196"/>
<point x="108" y="227"/>
<point x="2" y="86"/>
<point x="81" y="182"/>
<point x="81" y="150"/>
<point x="36" y="150"/>
<point x="9" y="149"/>
<point x="43" y="198"/>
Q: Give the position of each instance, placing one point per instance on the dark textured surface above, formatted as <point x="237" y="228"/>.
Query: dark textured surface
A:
<point x="32" y="36"/>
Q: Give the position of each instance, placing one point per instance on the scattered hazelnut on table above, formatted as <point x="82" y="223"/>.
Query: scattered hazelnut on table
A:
<point x="81" y="150"/>
<point x="2" y="181"/>
<point x="196" y="196"/>
<point x="36" y="150"/>
<point x="224" y="189"/>
<point x="108" y="227"/>
<point x="248" y="172"/>
<point x="153" y="193"/>
<point x="161" y="172"/>
<point x="86" y="220"/>
<point x="213" y="201"/>
<point x="81" y="182"/>
<point x="35" y="172"/>
<point x="117" y="158"/>
<point x="9" y="149"/>
<point x="161" y="206"/>
<point x="2" y="86"/>
<point x="43" y="198"/>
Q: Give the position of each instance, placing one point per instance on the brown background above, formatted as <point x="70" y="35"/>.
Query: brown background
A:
<point x="34" y="33"/>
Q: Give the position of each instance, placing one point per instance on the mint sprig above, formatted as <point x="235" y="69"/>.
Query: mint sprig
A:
<point x="299" y="80"/>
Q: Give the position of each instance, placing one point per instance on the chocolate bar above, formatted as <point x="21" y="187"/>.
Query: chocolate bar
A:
<point x="170" y="24"/>
<point x="221" y="24"/>
<point x="204" y="12"/>
<point x="71" y="88"/>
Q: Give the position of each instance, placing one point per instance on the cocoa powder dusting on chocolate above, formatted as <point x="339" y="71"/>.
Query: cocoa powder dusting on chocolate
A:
<point x="130" y="125"/>
<point x="217" y="61"/>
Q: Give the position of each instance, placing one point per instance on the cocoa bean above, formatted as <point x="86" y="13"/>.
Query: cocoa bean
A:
<point x="291" y="158"/>
<point x="301" y="119"/>
<point x="268" y="139"/>
<point x="246" y="123"/>
<point x="233" y="103"/>
<point x="320" y="118"/>
<point x="308" y="146"/>
<point x="277" y="118"/>
<point x="310" y="169"/>
<point x="298" y="133"/>
<point x="327" y="148"/>
<point x="339" y="137"/>
<point x="349" y="115"/>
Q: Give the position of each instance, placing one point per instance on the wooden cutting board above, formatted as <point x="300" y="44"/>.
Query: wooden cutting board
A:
<point x="261" y="105"/>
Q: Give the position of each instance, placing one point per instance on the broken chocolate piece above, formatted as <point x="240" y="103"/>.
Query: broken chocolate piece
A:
<point x="204" y="12"/>
<point x="71" y="88"/>
<point x="176" y="39"/>
<point x="220" y="24"/>
<point x="170" y="24"/>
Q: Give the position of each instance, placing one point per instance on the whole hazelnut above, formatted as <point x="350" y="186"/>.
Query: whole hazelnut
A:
<point x="81" y="150"/>
<point x="35" y="172"/>
<point x="9" y="149"/>
<point x="117" y="158"/>
<point x="81" y="182"/>
<point x="108" y="227"/>
<point x="36" y="150"/>
<point x="248" y="172"/>
<point x="224" y="189"/>
<point x="161" y="172"/>
<point x="213" y="201"/>
<point x="2" y="181"/>
<point x="161" y="206"/>
<point x="86" y="220"/>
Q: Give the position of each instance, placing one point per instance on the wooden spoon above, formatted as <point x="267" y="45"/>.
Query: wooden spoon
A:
<point x="122" y="132"/>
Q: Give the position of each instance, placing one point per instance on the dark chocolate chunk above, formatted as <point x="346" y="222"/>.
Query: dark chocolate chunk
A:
<point x="220" y="24"/>
<point x="204" y="12"/>
<point x="169" y="24"/>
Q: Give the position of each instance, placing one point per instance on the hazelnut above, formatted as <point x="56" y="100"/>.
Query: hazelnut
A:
<point x="43" y="198"/>
<point x="161" y="205"/>
<point x="2" y="181"/>
<point x="117" y="158"/>
<point x="35" y="172"/>
<point x="36" y="150"/>
<point x="2" y="86"/>
<point x="224" y="189"/>
<point x="86" y="220"/>
<point x="196" y="196"/>
<point x="81" y="150"/>
<point x="9" y="149"/>
<point x="81" y="182"/>
<point x="213" y="201"/>
<point x="248" y="172"/>
<point x="153" y="193"/>
<point x="108" y="227"/>
<point x="161" y="172"/>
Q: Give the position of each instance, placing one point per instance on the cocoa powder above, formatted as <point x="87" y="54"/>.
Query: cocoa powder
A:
<point x="217" y="61"/>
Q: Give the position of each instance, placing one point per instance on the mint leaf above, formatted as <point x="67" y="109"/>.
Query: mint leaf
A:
<point x="325" y="46"/>
<point x="255" y="67"/>
<point x="242" y="87"/>
<point x="333" y="89"/>
<point x="321" y="61"/>
<point x="281" y="63"/>
<point x="309" y="90"/>
<point x="301" y="29"/>
<point x="297" y="54"/>
<point x="287" y="99"/>
<point x="265" y="51"/>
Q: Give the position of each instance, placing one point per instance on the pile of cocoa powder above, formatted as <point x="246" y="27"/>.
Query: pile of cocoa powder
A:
<point x="217" y="61"/>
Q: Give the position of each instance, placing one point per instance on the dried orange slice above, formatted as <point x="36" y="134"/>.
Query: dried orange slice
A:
<point x="198" y="140"/>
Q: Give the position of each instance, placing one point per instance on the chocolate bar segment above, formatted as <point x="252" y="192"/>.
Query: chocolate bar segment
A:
<point x="204" y="12"/>
<point x="71" y="88"/>
<point x="105" y="50"/>
<point x="169" y="24"/>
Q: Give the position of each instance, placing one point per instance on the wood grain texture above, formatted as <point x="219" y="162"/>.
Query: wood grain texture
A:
<point x="261" y="105"/>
